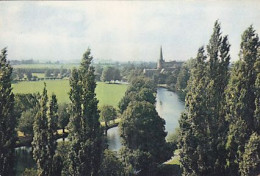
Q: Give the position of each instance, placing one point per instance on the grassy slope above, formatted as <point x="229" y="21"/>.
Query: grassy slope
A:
<point x="109" y="94"/>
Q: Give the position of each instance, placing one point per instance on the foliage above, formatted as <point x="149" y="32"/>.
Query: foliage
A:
<point x="173" y="139"/>
<point x="25" y="111"/>
<point x="7" y="117"/>
<point x="141" y="89"/>
<point x="40" y="138"/>
<point x="85" y="131"/>
<point x="243" y="100"/>
<point x="250" y="164"/>
<point x="143" y="135"/>
<point x="193" y="141"/>
<point x="25" y="123"/>
<point x="29" y="75"/>
<point x="44" y="140"/>
<point x="29" y="172"/>
<point x="53" y="160"/>
<point x="63" y="114"/>
<point x="62" y="154"/>
<point x="203" y="126"/>
<point x="133" y="73"/>
<point x="111" y="165"/>
<point x="47" y="73"/>
<point x="107" y="113"/>
<point x="110" y="73"/>
<point x="183" y="78"/>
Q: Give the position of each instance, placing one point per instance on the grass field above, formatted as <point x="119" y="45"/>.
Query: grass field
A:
<point x="39" y="75"/>
<point x="175" y="159"/>
<point x="107" y="94"/>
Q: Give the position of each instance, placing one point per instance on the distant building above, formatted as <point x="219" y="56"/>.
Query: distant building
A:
<point x="163" y="66"/>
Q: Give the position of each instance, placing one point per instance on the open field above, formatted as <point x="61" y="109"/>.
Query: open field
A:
<point x="39" y="75"/>
<point x="107" y="94"/>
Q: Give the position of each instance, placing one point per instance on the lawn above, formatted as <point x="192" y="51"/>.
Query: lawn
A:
<point x="107" y="94"/>
<point x="175" y="160"/>
<point x="39" y="75"/>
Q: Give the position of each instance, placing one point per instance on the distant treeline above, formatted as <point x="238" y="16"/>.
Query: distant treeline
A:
<point x="103" y="71"/>
<point x="19" y="62"/>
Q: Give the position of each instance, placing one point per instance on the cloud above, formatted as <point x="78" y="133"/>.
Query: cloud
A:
<point x="121" y="30"/>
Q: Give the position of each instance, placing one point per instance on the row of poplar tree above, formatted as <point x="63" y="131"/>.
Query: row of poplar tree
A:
<point x="220" y="128"/>
<point x="86" y="146"/>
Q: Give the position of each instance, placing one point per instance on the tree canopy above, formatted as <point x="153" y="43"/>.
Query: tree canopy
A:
<point x="7" y="117"/>
<point x="86" y="135"/>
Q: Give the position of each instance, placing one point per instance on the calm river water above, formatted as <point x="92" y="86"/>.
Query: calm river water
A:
<point x="168" y="107"/>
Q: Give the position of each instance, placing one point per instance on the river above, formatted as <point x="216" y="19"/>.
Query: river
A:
<point x="168" y="107"/>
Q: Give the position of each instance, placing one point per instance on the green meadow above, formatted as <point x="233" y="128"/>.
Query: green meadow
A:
<point x="39" y="75"/>
<point x="107" y="94"/>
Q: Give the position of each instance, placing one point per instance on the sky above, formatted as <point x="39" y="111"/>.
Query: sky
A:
<point x="121" y="30"/>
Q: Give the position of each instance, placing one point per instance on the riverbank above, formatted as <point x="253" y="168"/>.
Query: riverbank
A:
<point x="26" y="140"/>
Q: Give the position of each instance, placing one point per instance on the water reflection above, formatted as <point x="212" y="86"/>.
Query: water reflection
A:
<point x="23" y="159"/>
<point x="113" y="139"/>
<point x="170" y="108"/>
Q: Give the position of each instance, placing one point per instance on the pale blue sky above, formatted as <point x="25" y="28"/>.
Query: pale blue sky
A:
<point x="120" y="30"/>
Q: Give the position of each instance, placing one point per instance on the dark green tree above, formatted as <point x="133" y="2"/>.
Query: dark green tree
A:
<point x="108" y="74"/>
<point x="20" y="74"/>
<point x="193" y="144"/>
<point x="63" y="114"/>
<point x="25" y="123"/>
<point x="24" y="102"/>
<point x="29" y="75"/>
<point x="111" y="165"/>
<point x="25" y="110"/>
<point x="183" y="77"/>
<point x="85" y="131"/>
<point x="218" y="76"/>
<point x="204" y="127"/>
<point x="142" y="131"/>
<point x="47" y="73"/>
<point x="140" y="89"/>
<point x="257" y="99"/>
<point x="52" y="132"/>
<point x="7" y="117"/>
<point x="242" y="100"/>
<point x="40" y="138"/>
<point x="117" y="75"/>
<point x="107" y="113"/>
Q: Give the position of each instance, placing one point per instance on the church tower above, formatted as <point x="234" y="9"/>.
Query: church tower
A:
<point x="160" y="61"/>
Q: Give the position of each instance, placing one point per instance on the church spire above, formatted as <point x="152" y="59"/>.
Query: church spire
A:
<point x="160" y="61"/>
<point x="161" y="54"/>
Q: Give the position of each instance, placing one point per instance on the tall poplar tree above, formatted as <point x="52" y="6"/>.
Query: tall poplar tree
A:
<point x="7" y="117"/>
<point x="85" y="130"/>
<point x="203" y="126"/>
<point x="52" y="132"/>
<point x="243" y="100"/>
<point x="40" y="137"/>
<point x="218" y="76"/>
<point x="193" y="122"/>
